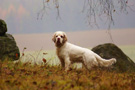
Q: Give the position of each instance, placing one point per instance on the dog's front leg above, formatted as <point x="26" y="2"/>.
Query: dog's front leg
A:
<point x="67" y="64"/>
<point x="62" y="63"/>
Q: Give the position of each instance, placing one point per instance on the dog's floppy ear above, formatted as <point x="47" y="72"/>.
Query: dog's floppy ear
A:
<point x="54" y="37"/>
<point x="65" y="37"/>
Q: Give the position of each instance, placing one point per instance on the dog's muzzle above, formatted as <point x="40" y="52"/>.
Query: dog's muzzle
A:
<point x="58" y="40"/>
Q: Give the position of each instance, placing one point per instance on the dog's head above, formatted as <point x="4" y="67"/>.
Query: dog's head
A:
<point x="59" y="38"/>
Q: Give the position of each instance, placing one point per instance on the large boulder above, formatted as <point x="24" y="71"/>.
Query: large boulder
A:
<point x="109" y="50"/>
<point x="8" y="47"/>
<point x="3" y="27"/>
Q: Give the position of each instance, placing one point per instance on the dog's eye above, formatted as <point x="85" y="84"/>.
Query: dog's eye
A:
<point x="61" y="36"/>
<point x="56" y="36"/>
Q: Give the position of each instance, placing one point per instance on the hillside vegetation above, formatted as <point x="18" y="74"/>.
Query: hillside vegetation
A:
<point x="34" y="77"/>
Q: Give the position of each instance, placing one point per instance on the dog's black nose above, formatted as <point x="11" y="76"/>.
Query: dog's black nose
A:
<point x="58" y="39"/>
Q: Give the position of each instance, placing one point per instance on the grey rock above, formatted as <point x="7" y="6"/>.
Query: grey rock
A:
<point x="109" y="50"/>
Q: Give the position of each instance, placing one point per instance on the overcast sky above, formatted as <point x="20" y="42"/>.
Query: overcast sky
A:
<point x="21" y="17"/>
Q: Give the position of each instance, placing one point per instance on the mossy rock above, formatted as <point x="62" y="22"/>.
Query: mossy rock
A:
<point x="3" y="27"/>
<point x="8" y="48"/>
<point x="109" y="50"/>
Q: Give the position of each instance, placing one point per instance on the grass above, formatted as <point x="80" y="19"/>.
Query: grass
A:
<point x="26" y="77"/>
<point x="46" y="74"/>
<point x="51" y="58"/>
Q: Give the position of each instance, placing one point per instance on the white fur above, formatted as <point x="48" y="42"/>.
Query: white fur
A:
<point x="69" y="53"/>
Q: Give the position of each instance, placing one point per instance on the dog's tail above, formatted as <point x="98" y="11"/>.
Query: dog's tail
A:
<point x="104" y="62"/>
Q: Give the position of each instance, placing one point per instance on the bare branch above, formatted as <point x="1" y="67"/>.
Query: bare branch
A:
<point x="43" y="11"/>
<point x="94" y="10"/>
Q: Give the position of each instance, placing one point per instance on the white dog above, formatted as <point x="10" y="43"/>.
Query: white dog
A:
<point x="69" y="54"/>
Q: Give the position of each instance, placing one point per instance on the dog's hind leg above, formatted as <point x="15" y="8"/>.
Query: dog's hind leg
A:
<point x="85" y="64"/>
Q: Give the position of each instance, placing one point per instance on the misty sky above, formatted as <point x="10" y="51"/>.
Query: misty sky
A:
<point x="21" y="17"/>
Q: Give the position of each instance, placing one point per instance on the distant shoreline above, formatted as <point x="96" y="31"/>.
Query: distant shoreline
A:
<point x="87" y="38"/>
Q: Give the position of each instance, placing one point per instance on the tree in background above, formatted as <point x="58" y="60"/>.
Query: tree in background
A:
<point x="93" y="9"/>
